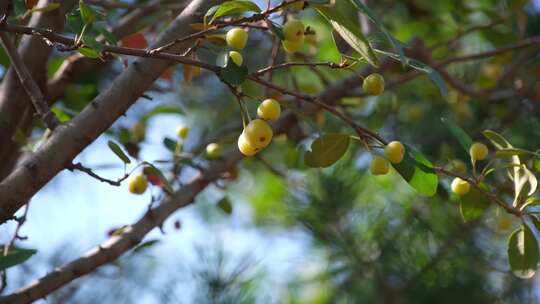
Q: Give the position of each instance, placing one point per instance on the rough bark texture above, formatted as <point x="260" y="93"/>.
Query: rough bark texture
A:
<point x="70" y="139"/>
<point x="14" y="102"/>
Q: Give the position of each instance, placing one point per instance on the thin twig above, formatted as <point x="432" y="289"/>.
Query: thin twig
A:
<point x="80" y="167"/>
<point x="32" y="89"/>
<point x="200" y="34"/>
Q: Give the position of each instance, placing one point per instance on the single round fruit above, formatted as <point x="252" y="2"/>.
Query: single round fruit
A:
<point x="236" y="38"/>
<point x="138" y="132"/>
<point x="213" y="151"/>
<point x="478" y="151"/>
<point x="245" y="147"/>
<point x="138" y="184"/>
<point x="460" y="187"/>
<point x="258" y="133"/>
<point x="236" y="58"/>
<point x="292" y="46"/>
<point x="379" y="165"/>
<point x="182" y="132"/>
<point x="394" y="152"/>
<point x="293" y="30"/>
<point x="269" y="109"/>
<point x="373" y="84"/>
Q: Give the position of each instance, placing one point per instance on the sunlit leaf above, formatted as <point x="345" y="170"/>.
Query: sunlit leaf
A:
<point x="87" y="13"/>
<point x="349" y="32"/>
<point x="418" y="172"/>
<point x="523" y="253"/>
<point x="118" y="151"/>
<point x="230" y="8"/>
<point x="473" y="204"/>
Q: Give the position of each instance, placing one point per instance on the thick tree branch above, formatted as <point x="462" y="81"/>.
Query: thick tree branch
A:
<point x="118" y="245"/>
<point x="70" y="139"/>
<point x="15" y="105"/>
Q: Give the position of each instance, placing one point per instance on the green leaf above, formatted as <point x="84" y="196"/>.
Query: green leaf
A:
<point x="393" y="41"/>
<point x="520" y="174"/>
<point x="155" y="171"/>
<point x="473" y="204"/>
<point x="497" y="139"/>
<point x="462" y="136"/>
<point x="87" y="13"/>
<point x="276" y="30"/>
<point x="523" y="253"/>
<point x="108" y="35"/>
<point x="326" y="150"/>
<point x="531" y="202"/>
<point x="225" y="205"/>
<point x="418" y="172"/>
<point x="435" y="77"/>
<point x="230" y="8"/>
<point x="145" y="245"/>
<point x="508" y="152"/>
<point x="15" y="256"/>
<point x="90" y="41"/>
<point x="232" y="73"/>
<point x="88" y="52"/>
<point x="47" y="8"/>
<point x="118" y="151"/>
<point x="170" y="144"/>
<point x="349" y="32"/>
<point x="61" y="114"/>
<point x="163" y="109"/>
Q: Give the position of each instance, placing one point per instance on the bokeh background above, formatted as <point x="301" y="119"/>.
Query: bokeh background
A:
<point x="299" y="235"/>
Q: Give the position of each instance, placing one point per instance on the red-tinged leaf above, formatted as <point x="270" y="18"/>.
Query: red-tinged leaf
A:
<point x="135" y="41"/>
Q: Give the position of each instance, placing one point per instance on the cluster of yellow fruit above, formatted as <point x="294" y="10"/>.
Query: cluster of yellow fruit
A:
<point x="258" y="133"/>
<point x="478" y="151"/>
<point x="237" y="39"/>
<point x="393" y="152"/>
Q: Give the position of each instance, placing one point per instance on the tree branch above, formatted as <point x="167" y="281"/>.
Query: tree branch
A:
<point x="29" y="85"/>
<point x="69" y="140"/>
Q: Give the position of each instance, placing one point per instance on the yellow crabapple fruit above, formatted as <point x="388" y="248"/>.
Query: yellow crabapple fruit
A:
<point x="138" y="184"/>
<point x="236" y="57"/>
<point x="292" y="46"/>
<point x="460" y="187"/>
<point x="245" y="147"/>
<point x="293" y="30"/>
<point x="236" y="38"/>
<point x="373" y="84"/>
<point x="394" y="152"/>
<point x="478" y="151"/>
<point x="379" y="165"/>
<point x="269" y="109"/>
<point x="213" y="150"/>
<point x="258" y="133"/>
<point x="182" y="132"/>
